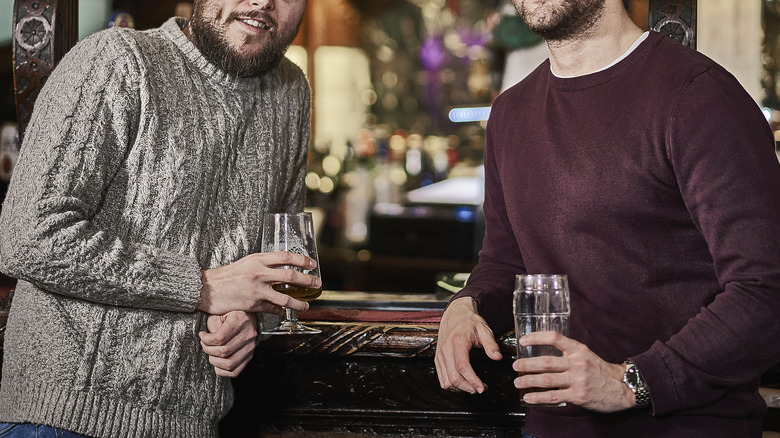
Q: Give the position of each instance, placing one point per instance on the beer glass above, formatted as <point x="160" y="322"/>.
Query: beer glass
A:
<point x="541" y="303"/>
<point x="293" y="232"/>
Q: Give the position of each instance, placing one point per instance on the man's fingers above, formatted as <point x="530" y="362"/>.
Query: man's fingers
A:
<point x="489" y="344"/>
<point x="542" y="380"/>
<point x="233" y="365"/>
<point x="456" y="373"/>
<point x="555" y="339"/>
<point x="231" y="346"/>
<point x="292" y="276"/>
<point x="220" y="349"/>
<point x="540" y="364"/>
<point x="550" y="397"/>
<point x="449" y="379"/>
<point x="230" y="333"/>
<point x="286" y="258"/>
<point x="218" y="338"/>
<point x="470" y="383"/>
<point x="283" y="300"/>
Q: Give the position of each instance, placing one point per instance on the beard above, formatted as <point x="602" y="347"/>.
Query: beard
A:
<point x="208" y="35"/>
<point x="569" y="20"/>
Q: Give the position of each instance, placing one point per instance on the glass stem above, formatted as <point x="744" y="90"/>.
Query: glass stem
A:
<point x="290" y="315"/>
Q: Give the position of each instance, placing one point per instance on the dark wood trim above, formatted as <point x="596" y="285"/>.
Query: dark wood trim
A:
<point x="675" y="18"/>
<point x="43" y="32"/>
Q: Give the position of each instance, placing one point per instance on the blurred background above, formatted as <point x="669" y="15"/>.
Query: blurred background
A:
<point x="401" y="93"/>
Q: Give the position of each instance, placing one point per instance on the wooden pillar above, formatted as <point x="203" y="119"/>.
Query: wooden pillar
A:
<point x="43" y="32"/>
<point x="675" y="18"/>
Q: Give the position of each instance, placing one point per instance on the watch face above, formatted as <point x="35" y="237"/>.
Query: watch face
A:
<point x="631" y="377"/>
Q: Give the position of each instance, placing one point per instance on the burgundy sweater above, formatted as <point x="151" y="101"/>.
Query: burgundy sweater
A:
<point x="654" y="185"/>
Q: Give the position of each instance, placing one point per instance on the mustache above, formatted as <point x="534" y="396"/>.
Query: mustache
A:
<point x="255" y="15"/>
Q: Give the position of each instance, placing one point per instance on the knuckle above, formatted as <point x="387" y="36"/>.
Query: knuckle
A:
<point x="218" y="340"/>
<point x="221" y="352"/>
<point x="287" y="257"/>
<point x="288" y="275"/>
<point x="289" y="302"/>
<point x="454" y="383"/>
<point x="545" y="380"/>
<point x="579" y="363"/>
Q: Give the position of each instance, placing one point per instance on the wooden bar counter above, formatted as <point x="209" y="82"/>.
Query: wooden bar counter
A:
<point x="369" y="373"/>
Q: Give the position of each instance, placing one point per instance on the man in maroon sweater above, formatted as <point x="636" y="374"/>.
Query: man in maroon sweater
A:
<point x="644" y="171"/>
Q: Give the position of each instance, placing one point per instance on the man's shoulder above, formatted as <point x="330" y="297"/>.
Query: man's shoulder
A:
<point x="289" y="70"/>
<point x="288" y="76"/>
<point x="114" y="43"/>
<point x="524" y="90"/>
<point x="670" y="54"/>
<point x="122" y="38"/>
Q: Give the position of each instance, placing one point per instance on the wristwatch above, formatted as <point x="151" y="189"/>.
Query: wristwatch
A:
<point x="634" y="381"/>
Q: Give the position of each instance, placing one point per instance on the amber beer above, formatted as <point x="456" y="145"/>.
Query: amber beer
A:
<point x="298" y="292"/>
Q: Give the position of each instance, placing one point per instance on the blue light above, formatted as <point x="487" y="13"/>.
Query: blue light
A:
<point x="464" y="214"/>
<point x="476" y="114"/>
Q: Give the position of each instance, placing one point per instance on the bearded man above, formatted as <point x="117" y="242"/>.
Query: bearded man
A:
<point x="646" y="173"/>
<point x="135" y="215"/>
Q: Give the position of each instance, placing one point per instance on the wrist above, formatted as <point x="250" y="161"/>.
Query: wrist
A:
<point x="634" y="381"/>
<point x="204" y="302"/>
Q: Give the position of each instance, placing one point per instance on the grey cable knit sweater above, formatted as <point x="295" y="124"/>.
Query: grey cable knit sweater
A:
<point x="142" y="164"/>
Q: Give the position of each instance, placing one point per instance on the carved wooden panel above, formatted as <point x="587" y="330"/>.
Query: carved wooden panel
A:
<point x="43" y="32"/>
<point x="370" y="395"/>
<point x="370" y="379"/>
<point x="675" y="18"/>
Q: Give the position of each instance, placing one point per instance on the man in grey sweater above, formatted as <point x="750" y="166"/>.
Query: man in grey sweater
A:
<point x="133" y="223"/>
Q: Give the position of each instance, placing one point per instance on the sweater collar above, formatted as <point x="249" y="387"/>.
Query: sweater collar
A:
<point x="607" y="74"/>
<point x="173" y="28"/>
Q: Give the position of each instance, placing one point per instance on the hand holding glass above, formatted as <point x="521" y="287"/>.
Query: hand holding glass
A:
<point x="541" y="303"/>
<point x="293" y="232"/>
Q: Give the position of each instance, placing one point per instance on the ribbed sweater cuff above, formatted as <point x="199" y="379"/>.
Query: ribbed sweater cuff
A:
<point x="93" y="415"/>
<point x="180" y="279"/>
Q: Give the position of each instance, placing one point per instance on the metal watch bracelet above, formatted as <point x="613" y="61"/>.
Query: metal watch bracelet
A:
<point x="633" y="380"/>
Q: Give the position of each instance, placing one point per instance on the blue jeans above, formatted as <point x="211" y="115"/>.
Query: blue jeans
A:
<point x="29" y="430"/>
<point x="525" y="435"/>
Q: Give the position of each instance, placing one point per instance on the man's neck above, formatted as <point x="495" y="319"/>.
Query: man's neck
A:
<point x="612" y="36"/>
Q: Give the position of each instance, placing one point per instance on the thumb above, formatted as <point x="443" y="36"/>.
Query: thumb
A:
<point x="489" y="344"/>
<point x="214" y="322"/>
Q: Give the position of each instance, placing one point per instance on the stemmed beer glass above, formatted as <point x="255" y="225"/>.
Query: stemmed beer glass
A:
<point x="293" y="232"/>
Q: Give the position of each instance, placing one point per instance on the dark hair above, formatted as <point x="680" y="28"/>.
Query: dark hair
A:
<point x="626" y="5"/>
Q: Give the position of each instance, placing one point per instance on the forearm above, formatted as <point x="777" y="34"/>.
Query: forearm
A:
<point x="75" y="260"/>
<point x="714" y="353"/>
